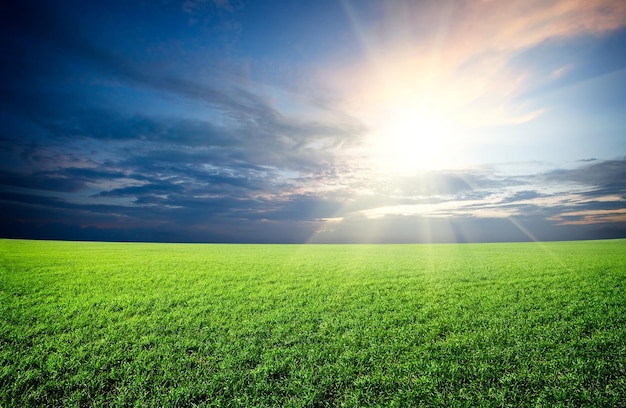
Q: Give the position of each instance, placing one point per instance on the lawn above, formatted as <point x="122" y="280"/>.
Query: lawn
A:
<point x="121" y="324"/>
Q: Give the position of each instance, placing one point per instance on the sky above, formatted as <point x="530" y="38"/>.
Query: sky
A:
<point x="328" y="121"/>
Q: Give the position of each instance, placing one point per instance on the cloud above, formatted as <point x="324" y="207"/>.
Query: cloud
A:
<point x="194" y="6"/>
<point x="45" y="33"/>
<point x="607" y="176"/>
<point x="559" y="72"/>
<point x="520" y="24"/>
<point x="524" y="195"/>
<point x="537" y="206"/>
<point x="41" y="181"/>
<point x="459" y="57"/>
<point x="587" y="217"/>
<point x="221" y="208"/>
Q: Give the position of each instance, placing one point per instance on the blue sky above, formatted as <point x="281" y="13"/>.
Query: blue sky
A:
<point x="313" y="121"/>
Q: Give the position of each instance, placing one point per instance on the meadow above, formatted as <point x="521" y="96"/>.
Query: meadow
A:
<point x="133" y="324"/>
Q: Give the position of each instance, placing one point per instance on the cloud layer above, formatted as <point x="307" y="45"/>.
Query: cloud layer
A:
<point x="166" y="122"/>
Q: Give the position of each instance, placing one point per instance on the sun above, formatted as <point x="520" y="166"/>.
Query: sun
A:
<point x="415" y="112"/>
<point x="413" y="137"/>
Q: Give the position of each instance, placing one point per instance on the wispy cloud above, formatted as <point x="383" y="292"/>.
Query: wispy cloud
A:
<point x="457" y="57"/>
<point x="588" y="217"/>
<point x="559" y="72"/>
<point x="193" y="6"/>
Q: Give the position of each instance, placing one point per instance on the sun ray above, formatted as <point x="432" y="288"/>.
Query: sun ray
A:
<point x="540" y="243"/>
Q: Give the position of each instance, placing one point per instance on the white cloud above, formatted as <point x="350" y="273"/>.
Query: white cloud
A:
<point x="559" y="72"/>
<point x="455" y="57"/>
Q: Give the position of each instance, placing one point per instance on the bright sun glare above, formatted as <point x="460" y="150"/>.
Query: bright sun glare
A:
<point x="411" y="136"/>
<point x="413" y="139"/>
<point x="414" y="115"/>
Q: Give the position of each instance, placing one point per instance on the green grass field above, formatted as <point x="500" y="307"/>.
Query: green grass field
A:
<point x="120" y="324"/>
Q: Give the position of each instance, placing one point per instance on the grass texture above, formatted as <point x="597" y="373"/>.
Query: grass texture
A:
<point x="129" y="324"/>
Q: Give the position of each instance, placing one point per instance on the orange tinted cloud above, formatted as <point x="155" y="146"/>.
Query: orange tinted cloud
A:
<point x="588" y="217"/>
<point x="511" y="25"/>
<point x="457" y="55"/>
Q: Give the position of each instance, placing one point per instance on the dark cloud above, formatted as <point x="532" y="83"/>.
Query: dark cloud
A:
<point x="523" y="196"/>
<point x="179" y="219"/>
<point x="170" y="211"/>
<point x="139" y="191"/>
<point x="41" y="181"/>
<point x="603" y="177"/>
